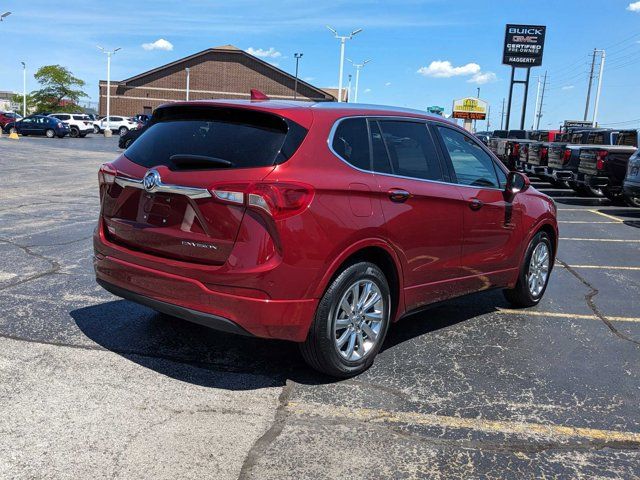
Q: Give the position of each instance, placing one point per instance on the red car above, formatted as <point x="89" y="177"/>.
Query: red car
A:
<point x="316" y="223"/>
<point x="8" y="117"/>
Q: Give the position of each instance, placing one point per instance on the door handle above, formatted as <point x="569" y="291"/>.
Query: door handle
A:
<point x="475" y="204"/>
<point x="398" y="195"/>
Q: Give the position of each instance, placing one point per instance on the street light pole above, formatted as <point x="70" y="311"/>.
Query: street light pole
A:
<point x="343" y="40"/>
<point x="358" y="67"/>
<point x="349" y="88"/>
<point x="109" y="53"/>
<point x="595" y="108"/>
<point x="188" y="70"/>
<point x="297" y="56"/>
<point x="24" y="89"/>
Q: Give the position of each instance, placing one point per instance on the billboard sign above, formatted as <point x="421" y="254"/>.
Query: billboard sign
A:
<point x="524" y="45"/>
<point x="470" y="108"/>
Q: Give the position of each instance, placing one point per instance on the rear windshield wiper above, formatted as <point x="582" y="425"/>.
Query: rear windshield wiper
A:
<point x="184" y="159"/>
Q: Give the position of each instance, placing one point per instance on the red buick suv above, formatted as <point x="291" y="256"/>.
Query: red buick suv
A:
<point x="316" y="223"/>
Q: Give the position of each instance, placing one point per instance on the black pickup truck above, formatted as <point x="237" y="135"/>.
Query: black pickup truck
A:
<point x="631" y="186"/>
<point x="534" y="155"/>
<point x="508" y="149"/>
<point x="496" y="136"/>
<point x="564" y="156"/>
<point x="605" y="166"/>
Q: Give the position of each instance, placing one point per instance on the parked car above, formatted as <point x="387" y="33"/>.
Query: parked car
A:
<point x="131" y="136"/>
<point x="8" y="117"/>
<point x="605" y="166"/>
<point x="631" y="185"/>
<point x="266" y="219"/>
<point x="118" y="124"/>
<point x="38" y="125"/>
<point x="80" y="125"/>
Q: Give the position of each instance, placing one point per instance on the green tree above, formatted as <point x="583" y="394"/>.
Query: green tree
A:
<point x="16" y="98"/>
<point x="61" y="90"/>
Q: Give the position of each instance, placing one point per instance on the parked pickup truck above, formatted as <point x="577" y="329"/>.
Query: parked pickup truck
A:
<point x="605" y="166"/>
<point x="496" y="136"/>
<point x="564" y="158"/>
<point x="508" y="149"/>
<point x="534" y="155"/>
<point x="631" y="185"/>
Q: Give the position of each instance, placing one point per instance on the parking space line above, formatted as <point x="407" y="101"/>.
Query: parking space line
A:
<point x="586" y="222"/>
<point x="605" y="267"/>
<point x="579" y="316"/>
<point x="619" y="220"/>
<point x="522" y="429"/>
<point x="599" y="240"/>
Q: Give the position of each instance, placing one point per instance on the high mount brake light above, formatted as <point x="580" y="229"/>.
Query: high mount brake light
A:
<point x="106" y="174"/>
<point x="279" y="200"/>
<point x="601" y="156"/>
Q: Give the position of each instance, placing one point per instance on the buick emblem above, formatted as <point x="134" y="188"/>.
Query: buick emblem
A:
<point x="151" y="180"/>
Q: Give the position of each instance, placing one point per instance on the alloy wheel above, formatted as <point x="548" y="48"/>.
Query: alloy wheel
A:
<point x="538" y="269"/>
<point x="358" y="320"/>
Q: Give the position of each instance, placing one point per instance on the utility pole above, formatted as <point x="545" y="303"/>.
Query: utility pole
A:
<point x="358" y="67"/>
<point x="544" y="86"/>
<point x="475" y="122"/>
<point x="593" y="63"/>
<point x="24" y="89"/>
<point x="349" y="89"/>
<point x="297" y="56"/>
<point x="536" y="110"/>
<point x="188" y="70"/>
<point x="343" y="40"/>
<point x="502" y="116"/>
<point x="107" y="131"/>
<point x="488" y="118"/>
<point x="595" y="108"/>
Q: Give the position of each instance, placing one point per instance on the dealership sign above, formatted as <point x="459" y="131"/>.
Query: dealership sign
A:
<point x="523" y="45"/>
<point x="470" y="108"/>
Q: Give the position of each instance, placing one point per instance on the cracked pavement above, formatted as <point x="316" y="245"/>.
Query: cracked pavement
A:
<point x="91" y="385"/>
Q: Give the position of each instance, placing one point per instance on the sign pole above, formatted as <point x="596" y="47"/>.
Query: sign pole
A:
<point x="513" y="73"/>
<point x="524" y="104"/>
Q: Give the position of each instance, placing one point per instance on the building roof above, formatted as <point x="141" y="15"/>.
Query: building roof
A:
<point x="235" y="50"/>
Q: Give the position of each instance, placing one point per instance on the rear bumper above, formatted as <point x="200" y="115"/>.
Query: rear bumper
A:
<point x="592" y="180"/>
<point x="190" y="300"/>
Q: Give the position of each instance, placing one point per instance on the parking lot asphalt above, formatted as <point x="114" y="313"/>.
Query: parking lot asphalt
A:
<point x="94" y="386"/>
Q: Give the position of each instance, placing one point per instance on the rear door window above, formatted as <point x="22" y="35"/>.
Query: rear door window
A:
<point x="351" y="142"/>
<point x="411" y="149"/>
<point x="210" y="138"/>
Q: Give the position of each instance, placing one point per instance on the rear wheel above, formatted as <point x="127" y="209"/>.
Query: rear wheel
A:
<point x="534" y="274"/>
<point x="632" y="201"/>
<point x="351" y="322"/>
<point x="50" y="133"/>
<point x="74" y="132"/>
<point x="96" y="129"/>
<point x="128" y="143"/>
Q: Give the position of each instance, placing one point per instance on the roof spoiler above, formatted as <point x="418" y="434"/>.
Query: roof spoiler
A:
<point x="257" y="95"/>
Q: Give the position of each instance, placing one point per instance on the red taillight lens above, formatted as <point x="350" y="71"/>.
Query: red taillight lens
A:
<point x="601" y="156"/>
<point x="566" y="156"/>
<point x="544" y="151"/>
<point x="516" y="148"/>
<point x="279" y="200"/>
<point x="106" y="174"/>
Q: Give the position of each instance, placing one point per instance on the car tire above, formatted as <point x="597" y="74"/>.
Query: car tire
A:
<point x="617" y="198"/>
<point x="50" y="133"/>
<point x="96" y="129"/>
<point x="348" y="348"/>
<point x="590" y="191"/>
<point x="122" y="131"/>
<point x="74" y="132"/>
<point x="13" y="130"/>
<point x="82" y="135"/>
<point x="128" y="143"/>
<point x="632" y="201"/>
<point x="533" y="278"/>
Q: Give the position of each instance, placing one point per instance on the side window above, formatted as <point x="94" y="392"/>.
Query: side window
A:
<point x="63" y="117"/>
<point x="351" y="142"/>
<point x="411" y="149"/>
<point x="380" y="157"/>
<point x="472" y="165"/>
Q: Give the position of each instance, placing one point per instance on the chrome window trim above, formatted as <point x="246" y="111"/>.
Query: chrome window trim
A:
<point x="191" y="192"/>
<point x="371" y="172"/>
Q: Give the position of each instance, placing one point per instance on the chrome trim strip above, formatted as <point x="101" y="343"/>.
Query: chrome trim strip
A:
<point x="370" y="172"/>
<point x="191" y="192"/>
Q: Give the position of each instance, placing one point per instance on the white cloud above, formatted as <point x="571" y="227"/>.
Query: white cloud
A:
<point x="444" y="69"/>
<point x="388" y="84"/>
<point x="568" y="87"/>
<point x="481" y="78"/>
<point x="367" y="90"/>
<point x="309" y="79"/>
<point x="160" y="44"/>
<point x="634" y="7"/>
<point x="262" y="53"/>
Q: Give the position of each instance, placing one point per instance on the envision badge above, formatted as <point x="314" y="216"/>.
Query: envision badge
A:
<point x="210" y="246"/>
<point x="151" y="180"/>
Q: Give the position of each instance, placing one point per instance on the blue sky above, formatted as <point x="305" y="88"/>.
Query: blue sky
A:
<point x="402" y="38"/>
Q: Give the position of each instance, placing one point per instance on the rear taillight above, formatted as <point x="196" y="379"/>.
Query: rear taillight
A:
<point x="279" y="200"/>
<point x="601" y="156"/>
<point x="106" y="174"/>
<point x="516" y="149"/>
<point x="544" y="151"/>
<point x="566" y="156"/>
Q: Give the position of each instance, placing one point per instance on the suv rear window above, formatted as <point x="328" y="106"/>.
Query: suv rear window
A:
<point x="209" y="138"/>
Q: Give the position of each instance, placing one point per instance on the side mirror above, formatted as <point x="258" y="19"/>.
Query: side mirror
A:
<point x="516" y="182"/>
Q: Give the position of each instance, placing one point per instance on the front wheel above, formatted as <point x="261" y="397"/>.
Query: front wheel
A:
<point x="534" y="274"/>
<point x="123" y="131"/>
<point x="96" y="129"/>
<point x="351" y="322"/>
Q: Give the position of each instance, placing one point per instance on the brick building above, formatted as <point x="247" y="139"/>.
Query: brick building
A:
<point x="220" y="72"/>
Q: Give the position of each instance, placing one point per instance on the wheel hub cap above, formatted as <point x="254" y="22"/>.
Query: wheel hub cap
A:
<point x="538" y="269"/>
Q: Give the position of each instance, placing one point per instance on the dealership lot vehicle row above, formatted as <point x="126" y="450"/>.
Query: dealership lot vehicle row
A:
<point x="467" y="389"/>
